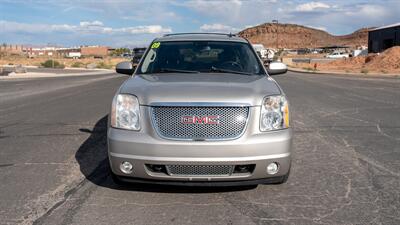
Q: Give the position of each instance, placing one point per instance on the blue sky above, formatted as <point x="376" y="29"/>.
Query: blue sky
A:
<point x="136" y="22"/>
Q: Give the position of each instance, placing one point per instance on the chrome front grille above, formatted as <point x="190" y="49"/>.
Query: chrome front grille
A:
<point x="167" y="121"/>
<point x="199" y="170"/>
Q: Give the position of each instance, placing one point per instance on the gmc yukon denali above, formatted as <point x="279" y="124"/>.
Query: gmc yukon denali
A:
<point x="200" y="109"/>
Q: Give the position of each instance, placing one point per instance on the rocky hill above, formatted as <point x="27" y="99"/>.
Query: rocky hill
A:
<point x="296" y="36"/>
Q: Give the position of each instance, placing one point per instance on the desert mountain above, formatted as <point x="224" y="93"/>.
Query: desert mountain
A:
<point x="297" y="36"/>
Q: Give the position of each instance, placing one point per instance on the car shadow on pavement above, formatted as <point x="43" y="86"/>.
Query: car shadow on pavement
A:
<point x="92" y="158"/>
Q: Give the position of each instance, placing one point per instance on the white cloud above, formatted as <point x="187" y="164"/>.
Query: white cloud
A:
<point x="10" y="27"/>
<point x="56" y="27"/>
<point x="206" y="6"/>
<point x="312" y="6"/>
<point x="317" y="27"/>
<point x="338" y="17"/>
<point x="158" y="14"/>
<point x="228" y="10"/>
<point x="95" y="23"/>
<point x="217" y="27"/>
<point x="83" y="27"/>
<point x="371" y="11"/>
<point x="152" y="29"/>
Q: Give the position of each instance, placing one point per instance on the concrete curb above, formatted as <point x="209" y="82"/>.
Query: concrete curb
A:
<point x="14" y="75"/>
<point x="12" y="66"/>
<point x="369" y="75"/>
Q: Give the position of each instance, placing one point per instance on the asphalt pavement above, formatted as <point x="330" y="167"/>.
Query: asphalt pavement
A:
<point x="346" y="154"/>
<point x="58" y="71"/>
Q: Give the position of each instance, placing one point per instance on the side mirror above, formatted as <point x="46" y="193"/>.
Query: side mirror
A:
<point x="125" y="68"/>
<point x="276" y="68"/>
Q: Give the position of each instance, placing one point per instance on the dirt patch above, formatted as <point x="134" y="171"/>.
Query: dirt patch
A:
<point x="387" y="62"/>
<point x="107" y="62"/>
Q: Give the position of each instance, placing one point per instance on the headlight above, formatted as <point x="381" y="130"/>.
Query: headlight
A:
<point x="274" y="113"/>
<point x="125" y="113"/>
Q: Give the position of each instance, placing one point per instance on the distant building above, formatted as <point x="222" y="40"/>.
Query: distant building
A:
<point x="334" y="48"/>
<point x="382" y="38"/>
<point x="74" y="52"/>
<point x="46" y="51"/>
<point x="110" y="51"/>
<point x="15" y="49"/>
<point x="99" y="51"/>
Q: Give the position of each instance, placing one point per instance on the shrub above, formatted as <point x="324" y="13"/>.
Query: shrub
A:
<point x="52" y="64"/>
<point x="364" y="71"/>
<point x="103" y="65"/>
<point x="78" y="65"/>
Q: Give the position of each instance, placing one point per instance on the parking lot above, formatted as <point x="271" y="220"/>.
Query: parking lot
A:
<point x="346" y="153"/>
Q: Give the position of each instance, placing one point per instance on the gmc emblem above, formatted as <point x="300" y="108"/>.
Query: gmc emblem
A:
<point x="200" y="120"/>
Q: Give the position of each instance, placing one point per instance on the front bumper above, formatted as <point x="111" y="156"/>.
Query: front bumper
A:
<point x="269" y="180"/>
<point x="145" y="147"/>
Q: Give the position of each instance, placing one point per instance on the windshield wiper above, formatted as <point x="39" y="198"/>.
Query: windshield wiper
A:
<point x="170" y="70"/>
<point x="219" y="70"/>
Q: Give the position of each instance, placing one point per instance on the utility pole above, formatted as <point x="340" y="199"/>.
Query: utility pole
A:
<point x="277" y="33"/>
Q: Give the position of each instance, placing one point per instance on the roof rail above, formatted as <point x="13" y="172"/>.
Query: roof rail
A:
<point x="225" y="34"/>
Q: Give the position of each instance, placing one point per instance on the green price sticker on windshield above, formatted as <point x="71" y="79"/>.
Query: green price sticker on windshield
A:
<point x="156" y="45"/>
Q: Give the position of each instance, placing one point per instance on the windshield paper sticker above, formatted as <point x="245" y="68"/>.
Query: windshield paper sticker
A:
<point x="155" y="45"/>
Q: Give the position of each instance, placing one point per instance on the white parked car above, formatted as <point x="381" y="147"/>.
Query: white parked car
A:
<point x="338" y="55"/>
<point x="74" y="55"/>
<point x="265" y="53"/>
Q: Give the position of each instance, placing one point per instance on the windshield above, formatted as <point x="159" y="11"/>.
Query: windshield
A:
<point x="200" y="56"/>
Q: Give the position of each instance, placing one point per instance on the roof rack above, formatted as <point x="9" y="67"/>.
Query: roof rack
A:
<point x="225" y="34"/>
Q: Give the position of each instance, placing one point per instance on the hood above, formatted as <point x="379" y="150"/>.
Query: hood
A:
<point x="200" y="88"/>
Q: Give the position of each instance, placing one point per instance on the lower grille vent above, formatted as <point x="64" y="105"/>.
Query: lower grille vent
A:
<point x="199" y="170"/>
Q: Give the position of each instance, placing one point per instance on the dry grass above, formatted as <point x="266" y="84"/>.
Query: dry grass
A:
<point x="108" y="62"/>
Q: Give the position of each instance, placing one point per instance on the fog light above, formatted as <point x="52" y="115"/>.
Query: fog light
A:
<point x="272" y="168"/>
<point x="248" y="168"/>
<point x="157" y="168"/>
<point x="126" y="167"/>
<point x="242" y="169"/>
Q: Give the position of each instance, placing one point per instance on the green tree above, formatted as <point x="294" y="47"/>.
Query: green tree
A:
<point x="52" y="64"/>
<point x="120" y="51"/>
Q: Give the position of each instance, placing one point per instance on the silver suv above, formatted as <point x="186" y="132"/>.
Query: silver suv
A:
<point x="200" y="109"/>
